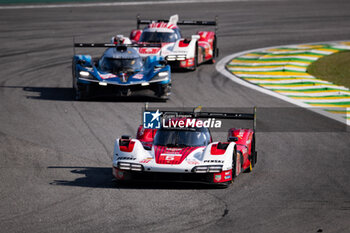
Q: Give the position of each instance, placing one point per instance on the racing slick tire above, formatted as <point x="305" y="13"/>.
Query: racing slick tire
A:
<point x="253" y="152"/>
<point x="215" y="52"/>
<point x="250" y="168"/>
<point x="194" y="67"/>
<point x="234" y="164"/>
<point x="163" y="91"/>
<point x="80" y="91"/>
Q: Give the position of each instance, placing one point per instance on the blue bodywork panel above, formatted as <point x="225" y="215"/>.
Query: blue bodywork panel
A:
<point x="152" y="70"/>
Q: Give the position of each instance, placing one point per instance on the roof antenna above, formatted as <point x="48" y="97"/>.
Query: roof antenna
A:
<point x="138" y="21"/>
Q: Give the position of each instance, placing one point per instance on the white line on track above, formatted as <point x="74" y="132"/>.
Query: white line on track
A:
<point x="221" y="68"/>
<point x="104" y="4"/>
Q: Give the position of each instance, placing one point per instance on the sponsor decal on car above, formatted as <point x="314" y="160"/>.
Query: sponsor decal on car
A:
<point x="170" y="156"/>
<point x="145" y="160"/>
<point x="217" y="177"/>
<point x="138" y="76"/>
<point x="149" y="50"/>
<point x="192" y="162"/>
<point x="120" y="174"/>
<point x="107" y="76"/>
<point x="213" y="161"/>
<point x="126" y="158"/>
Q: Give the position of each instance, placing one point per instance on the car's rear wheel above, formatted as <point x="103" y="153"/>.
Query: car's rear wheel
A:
<point x="163" y="91"/>
<point x="253" y="153"/>
<point x="194" y="67"/>
<point x="234" y="164"/>
<point x="250" y="168"/>
<point x="215" y="52"/>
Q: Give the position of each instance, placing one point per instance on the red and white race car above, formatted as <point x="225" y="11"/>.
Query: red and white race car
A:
<point x="186" y="154"/>
<point x="180" y="52"/>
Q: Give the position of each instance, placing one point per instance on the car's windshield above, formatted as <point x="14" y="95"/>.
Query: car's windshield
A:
<point x="158" y="37"/>
<point x="116" y="66"/>
<point x="182" y="138"/>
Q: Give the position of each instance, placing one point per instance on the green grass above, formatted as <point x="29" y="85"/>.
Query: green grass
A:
<point x="334" y="68"/>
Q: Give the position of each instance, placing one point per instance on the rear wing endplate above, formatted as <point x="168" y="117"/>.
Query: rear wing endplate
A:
<point x="111" y="45"/>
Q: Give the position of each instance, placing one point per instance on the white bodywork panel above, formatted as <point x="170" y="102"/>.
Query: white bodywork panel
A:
<point x="197" y="157"/>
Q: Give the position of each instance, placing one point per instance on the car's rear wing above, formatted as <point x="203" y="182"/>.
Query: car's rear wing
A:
<point x="180" y="22"/>
<point x="112" y="45"/>
<point x="217" y="115"/>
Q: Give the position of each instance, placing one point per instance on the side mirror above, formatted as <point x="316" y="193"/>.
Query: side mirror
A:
<point x="124" y="140"/>
<point x="126" y="137"/>
<point x="81" y="62"/>
<point x="232" y="139"/>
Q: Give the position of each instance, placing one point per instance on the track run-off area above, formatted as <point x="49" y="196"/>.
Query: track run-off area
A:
<point x="56" y="153"/>
<point x="283" y="71"/>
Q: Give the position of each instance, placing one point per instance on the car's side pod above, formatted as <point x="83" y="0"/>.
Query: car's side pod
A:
<point x="207" y="36"/>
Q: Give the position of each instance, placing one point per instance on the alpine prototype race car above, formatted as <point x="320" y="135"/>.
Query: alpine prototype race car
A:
<point x="186" y="154"/>
<point x="180" y="52"/>
<point x="119" y="71"/>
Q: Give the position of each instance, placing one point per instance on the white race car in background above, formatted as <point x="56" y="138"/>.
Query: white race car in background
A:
<point x="180" y="52"/>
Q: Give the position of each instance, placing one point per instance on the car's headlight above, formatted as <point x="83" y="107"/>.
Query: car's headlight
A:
<point x="164" y="75"/>
<point x="130" y="166"/>
<point x="179" y="57"/>
<point x="208" y="169"/>
<point x="85" y="74"/>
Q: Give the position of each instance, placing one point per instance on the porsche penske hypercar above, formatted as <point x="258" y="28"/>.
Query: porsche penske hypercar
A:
<point x="187" y="154"/>
<point x="180" y="52"/>
<point x="119" y="71"/>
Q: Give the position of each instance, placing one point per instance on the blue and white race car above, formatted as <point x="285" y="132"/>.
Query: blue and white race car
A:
<point x="119" y="71"/>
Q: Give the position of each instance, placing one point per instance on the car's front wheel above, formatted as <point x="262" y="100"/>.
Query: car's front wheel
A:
<point x="163" y="91"/>
<point x="81" y="91"/>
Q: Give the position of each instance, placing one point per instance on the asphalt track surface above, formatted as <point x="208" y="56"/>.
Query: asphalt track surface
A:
<point x="56" y="153"/>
